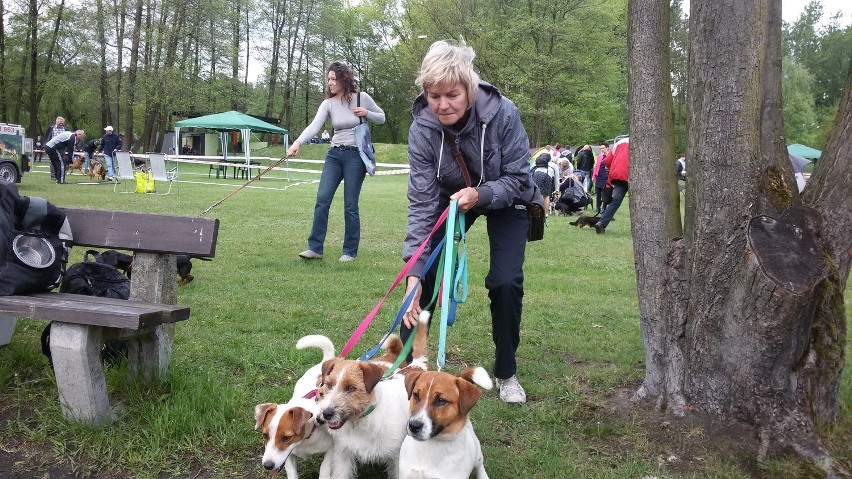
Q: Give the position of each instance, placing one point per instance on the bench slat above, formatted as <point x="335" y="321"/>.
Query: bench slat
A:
<point x="144" y="232"/>
<point x="90" y="310"/>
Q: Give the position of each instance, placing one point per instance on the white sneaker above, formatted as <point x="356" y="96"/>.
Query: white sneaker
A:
<point x="346" y="258"/>
<point x="308" y="254"/>
<point x="511" y="391"/>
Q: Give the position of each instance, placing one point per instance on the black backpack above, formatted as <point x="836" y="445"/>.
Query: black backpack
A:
<point x="35" y="238"/>
<point x="96" y="277"/>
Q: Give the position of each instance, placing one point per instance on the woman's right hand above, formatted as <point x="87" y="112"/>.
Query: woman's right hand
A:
<point x="413" y="311"/>
<point x="293" y="150"/>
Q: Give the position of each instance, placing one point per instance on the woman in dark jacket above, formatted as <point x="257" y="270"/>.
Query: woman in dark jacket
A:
<point x="456" y="108"/>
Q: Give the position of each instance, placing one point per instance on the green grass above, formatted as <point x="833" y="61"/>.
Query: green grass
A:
<point x="580" y="344"/>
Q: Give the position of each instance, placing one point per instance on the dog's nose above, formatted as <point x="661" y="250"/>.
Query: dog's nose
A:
<point x="269" y="465"/>
<point x="415" y="425"/>
<point x="327" y="413"/>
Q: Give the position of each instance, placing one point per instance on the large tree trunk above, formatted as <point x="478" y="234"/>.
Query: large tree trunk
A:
<point x="34" y="127"/>
<point x="130" y="100"/>
<point x="106" y="115"/>
<point x="743" y="316"/>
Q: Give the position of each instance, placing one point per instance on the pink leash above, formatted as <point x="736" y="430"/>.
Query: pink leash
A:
<point x="365" y="323"/>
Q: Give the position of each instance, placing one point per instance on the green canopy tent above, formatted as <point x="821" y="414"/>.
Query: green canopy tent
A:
<point x="230" y="121"/>
<point x="803" y="151"/>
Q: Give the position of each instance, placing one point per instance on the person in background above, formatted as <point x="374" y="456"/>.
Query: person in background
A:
<point x="455" y="110"/>
<point x="600" y="176"/>
<point x="585" y="165"/>
<point x="618" y="167"/>
<point x="38" y="145"/>
<point x="56" y="128"/>
<point x="110" y="142"/>
<point x="88" y="148"/>
<point x="60" y="144"/>
<point x="343" y="161"/>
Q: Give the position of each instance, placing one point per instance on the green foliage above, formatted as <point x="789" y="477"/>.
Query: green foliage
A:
<point x="799" y="113"/>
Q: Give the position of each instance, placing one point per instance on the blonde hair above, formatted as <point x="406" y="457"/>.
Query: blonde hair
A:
<point x="445" y="63"/>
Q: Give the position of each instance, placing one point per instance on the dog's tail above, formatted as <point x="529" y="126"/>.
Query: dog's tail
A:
<point x="420" y="348"/>
<point x="478" y="376"/>
<point x="317" y="341"/>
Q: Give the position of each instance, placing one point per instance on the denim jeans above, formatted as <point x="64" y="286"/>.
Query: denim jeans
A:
<point x="619" y="190"/>
<point x="340" y="165"/>
<point x="110" y="165"/>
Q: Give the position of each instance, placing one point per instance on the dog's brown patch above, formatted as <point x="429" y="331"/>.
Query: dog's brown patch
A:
<point x="97" y="171"/>
<point x="291" y="428"/>
<point x="447" y="399"/>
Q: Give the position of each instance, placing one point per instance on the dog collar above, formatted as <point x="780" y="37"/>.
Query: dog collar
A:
<point x="369" y="410"/>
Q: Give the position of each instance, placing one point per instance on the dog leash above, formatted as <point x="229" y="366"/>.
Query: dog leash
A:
<point x="243" y="186"/>
<point x="365" y="323"/>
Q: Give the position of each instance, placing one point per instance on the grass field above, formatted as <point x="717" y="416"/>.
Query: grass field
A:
<point x="580" y="357"/>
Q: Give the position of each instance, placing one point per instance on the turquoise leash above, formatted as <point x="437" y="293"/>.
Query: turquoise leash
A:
<point x="447" y="281"/>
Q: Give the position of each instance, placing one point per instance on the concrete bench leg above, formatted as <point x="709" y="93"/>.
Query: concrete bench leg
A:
<point x="76" y="350"/>
<point x="148" y="354"/>
<point x="7" y="328"/>
<point x="155" y="281"/>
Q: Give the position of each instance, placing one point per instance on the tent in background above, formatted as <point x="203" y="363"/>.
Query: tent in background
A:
<point x="230" y="121"/>
<point x="803" y="151"/>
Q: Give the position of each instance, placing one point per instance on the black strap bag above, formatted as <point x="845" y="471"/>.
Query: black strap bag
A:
<point x="35" y="238"/>
<point x="94" y="277"/>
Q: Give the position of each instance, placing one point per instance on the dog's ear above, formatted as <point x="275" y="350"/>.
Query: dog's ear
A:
<point x="261" y="411"/>
<point x="300" y="416"/>
<point x="468" y="395"/>
<point x="372" y="375"/>
<point x="411" y="378"/>
<point x="327" y="367"/>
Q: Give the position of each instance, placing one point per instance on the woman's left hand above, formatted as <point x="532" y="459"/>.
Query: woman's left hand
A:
<point x="359" y="111"/>
<point x="468" y="198"/>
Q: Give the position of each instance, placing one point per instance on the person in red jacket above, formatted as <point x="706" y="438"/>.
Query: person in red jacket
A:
<point x="618" y="164"/>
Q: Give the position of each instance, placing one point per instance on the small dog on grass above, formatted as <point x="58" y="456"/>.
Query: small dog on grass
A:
<point x="582" y="221"/>
<point x="365" y="414"/>
<point x="97" y="172"/>
<point x="76" y="164"/>
<point x="441" y="441"/>
<point x="290" y="430"/>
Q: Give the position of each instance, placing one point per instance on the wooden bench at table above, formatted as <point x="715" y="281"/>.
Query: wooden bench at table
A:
<point x="82" y="324"/>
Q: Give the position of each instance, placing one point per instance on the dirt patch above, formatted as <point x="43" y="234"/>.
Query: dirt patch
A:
<point x="683" y="445"/>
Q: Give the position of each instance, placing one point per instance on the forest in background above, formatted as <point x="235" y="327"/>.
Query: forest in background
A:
<point x="141" y="65"/>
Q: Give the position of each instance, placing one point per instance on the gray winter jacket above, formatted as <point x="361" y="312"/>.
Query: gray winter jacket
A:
<point x="496" y="151"/>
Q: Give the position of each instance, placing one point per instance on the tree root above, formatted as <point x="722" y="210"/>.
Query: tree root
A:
<point x="796" y="431"/>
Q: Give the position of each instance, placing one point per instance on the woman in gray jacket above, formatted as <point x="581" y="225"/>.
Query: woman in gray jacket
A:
<point x="456" y="108"/>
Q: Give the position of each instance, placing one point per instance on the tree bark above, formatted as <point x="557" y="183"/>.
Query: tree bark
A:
<point x="130" y="99"/>
<point x="3" y="107"/>
<point x="658" y="246"/>
<point x="100" y="21"/>
<point x="34" y="127"/>
<point x="743" y="316"/>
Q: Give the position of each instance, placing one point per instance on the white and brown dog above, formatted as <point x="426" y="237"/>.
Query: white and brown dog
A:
<point x="290" y="429"/>
<point x="365" y="414"/>
<point x="441" y="442"/>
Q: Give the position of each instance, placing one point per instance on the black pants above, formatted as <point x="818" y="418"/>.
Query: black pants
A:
<point x="56" y="164"/>
<point x="507" y="237"/>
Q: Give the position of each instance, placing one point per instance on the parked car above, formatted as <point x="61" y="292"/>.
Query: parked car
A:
<point x="15" y="152"/>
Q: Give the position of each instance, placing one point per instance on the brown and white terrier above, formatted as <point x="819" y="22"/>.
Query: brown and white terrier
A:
<point x="290" y="430"/>
<point x="441" y="441"/>
<point x="365" y="414"/>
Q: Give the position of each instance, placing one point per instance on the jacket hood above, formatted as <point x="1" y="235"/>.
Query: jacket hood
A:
<point x="485" y="107"/>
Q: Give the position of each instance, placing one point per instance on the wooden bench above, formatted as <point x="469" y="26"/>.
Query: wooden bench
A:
<point x="82" y="324"/>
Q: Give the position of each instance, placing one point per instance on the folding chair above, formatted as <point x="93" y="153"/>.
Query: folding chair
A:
<point x="125" y="172"/>
<point x="159" y="172"/>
